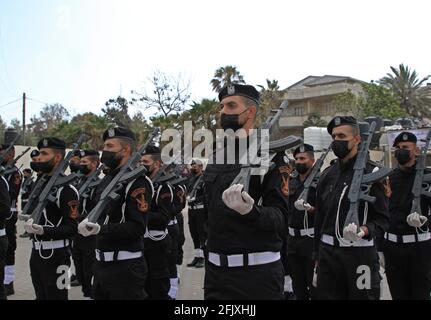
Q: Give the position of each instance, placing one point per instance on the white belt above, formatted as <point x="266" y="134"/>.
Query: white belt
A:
<point x="302" y="232"/>
<point x="2" y="232"/>
<point x="198" y="206"/>
<point x="408" y="238"/>
<point x="117" y="255"/>
<point x="13" y="209"/>
<point x="156" y="235"/>
<point x="172" y="222"/>
<point x="49" y="245"/>
<point x="360" y="243"/>
<point x="237" y="260"/>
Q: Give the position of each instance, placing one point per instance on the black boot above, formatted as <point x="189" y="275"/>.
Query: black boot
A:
<point x="9" y="289"/>
<point x="200" y="263"/>
<point x="193" y="263"/>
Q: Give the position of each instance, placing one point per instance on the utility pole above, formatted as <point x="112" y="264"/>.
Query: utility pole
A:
<point x="23" y="118"/>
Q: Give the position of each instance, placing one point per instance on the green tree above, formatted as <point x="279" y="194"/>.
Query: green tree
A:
<point x="116" y="111"/>
<point x="314" y="120"/>
<point x="270" y="98"/>
<point x="2" y="129"/>
<point x="412" y="94"/>
<point x="379" y="101"/>
<point x="225" y="76"/>
<point x="50" y="116"/>
<point x="93" y="125"/>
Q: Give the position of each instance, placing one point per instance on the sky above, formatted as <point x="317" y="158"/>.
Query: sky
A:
<point x="80" y="53"/>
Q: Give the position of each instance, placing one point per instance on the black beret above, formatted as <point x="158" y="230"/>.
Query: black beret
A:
<point x="405" y="137"/>
<point x="77" y="153"/>
<point x="52" y="143"/>
<point x="239" y="90"/>
<point x="34" y="153"/>
<point x="304" y="148"/>
<point x="152" y="149"/>
<point x="119" y="132"/>
<point x="89" y="153"/>
<point x="341" y="121"/>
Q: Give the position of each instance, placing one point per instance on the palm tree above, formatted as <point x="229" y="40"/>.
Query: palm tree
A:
<point x="410" y="91"/>
<point x="225" y="76"/>
<point x="271" y="85"/>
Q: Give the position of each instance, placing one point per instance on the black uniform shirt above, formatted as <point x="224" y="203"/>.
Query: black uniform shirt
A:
<point x="296" y="217"/>
<point x="59" y="219"/>
<point x="200" y="190"/>
<point x="260" y="230"/>
<point x="4" y="202"/>
<point x="27" y="187"/>
<point x="124" y="232"/>
<point x="400" y="202"/>
<point x="334" y="180"/>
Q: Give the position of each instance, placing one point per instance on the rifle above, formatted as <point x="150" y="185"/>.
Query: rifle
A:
<point x="89" y="183"/>
<point x="361" y="182"/>
<point x="5" y="152"/>
<point x="420" y="185"/>
<point x="244" y="175"/>
<point x="57" y="180"/>
<point x="192" y="195"/>
<point x="9" y="168"/>
<point x="313" y="177"/>
<point x="127" y="173"/>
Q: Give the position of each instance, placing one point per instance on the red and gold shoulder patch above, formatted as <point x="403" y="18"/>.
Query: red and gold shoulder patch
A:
<point x="74" y="209"/>
<point x="139" y="196"/>
<point x="180" y="195"/>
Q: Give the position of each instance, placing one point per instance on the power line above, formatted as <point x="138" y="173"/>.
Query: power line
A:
<point x="19" y="99"/>
<point x="28" y="98"/>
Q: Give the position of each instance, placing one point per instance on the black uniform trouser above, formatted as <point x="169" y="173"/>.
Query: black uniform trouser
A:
<point x="301" y="265"/>
<point x="408" y="270"/>
<point x="197" y="225"/>
<point x="181" y="238"/>
<point x="157" y="255"/>
<point x="261" y="282"/>
<point x="3" y="249"/>
<point x="49" y="281"/>
<point x="84" y="258"/>
<point x="10" y="226"/>
<point x="174" y="232"/>
<point x="348" y="273"/>
<point x="120" y="280"/>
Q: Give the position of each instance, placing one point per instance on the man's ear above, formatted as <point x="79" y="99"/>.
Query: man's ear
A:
<point x="252" y="111"/>
<point x="417" y="151"/>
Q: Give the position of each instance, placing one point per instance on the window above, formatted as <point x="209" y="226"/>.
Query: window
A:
<point x="299" y="111"/>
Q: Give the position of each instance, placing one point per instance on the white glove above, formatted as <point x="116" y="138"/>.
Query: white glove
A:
<point x="33" y="228"/>
<point x="288" y="284"/>
<point x="238" y="200"/>
<point x="350" y="233"/>
<point x="88" y="228"/>
<point x="416" y="220"/>
<point x="301" y="205"/>
<point x="315" y="277"/>
<point x="381" y="260"/>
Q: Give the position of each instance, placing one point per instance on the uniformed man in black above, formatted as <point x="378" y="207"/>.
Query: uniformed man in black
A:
<point x="407" y="244"/>
<point x="27" y="186"/>
<point x="50" y="257"/>
<point x="347" y="261"/>
<point x="300" y="225"/>
<point x="84" y="248"/>
<point x="14" y="180"/>
<point x="33" y="156"/>
<point x="198" y="214"/>
<point x="120" y="270"/>
<point x="181" y="191"/>
<point x="245" y="229"/>
<point x="4" y="214"/>
<point x="158" y="242"/>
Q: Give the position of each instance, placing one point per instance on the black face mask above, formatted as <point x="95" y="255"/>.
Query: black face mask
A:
<point x="402" y="156"/>
<point x="231" y="121"/>
<point x="84" y="169"/>
<point x="340" y="148"/>
<point x="110" y="159"/>
<point x="301" y="168"/>
<point x="44" y="167"/>
<point x="74" y="168"/>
